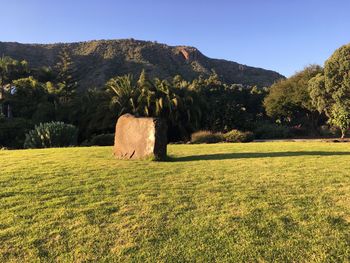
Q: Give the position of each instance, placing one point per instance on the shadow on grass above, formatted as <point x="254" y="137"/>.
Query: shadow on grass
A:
<point x="226" y="156"/>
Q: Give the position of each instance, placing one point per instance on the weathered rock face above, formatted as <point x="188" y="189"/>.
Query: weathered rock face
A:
<point x="137" y="138"/>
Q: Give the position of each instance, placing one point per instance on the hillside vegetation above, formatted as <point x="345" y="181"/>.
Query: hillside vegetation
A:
<point x="98" y="61"/>
<point x="314" y="102"/>
<point x="265" y="202"/>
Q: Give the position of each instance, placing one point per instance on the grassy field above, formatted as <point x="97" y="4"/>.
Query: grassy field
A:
<point x="278" y="202"/>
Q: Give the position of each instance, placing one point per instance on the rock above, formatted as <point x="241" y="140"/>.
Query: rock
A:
<point x="188" y="53"/>
<point x="139" y="138"/>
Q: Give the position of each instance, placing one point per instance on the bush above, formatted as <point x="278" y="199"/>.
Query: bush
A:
<point x="329" y="131"/>
<point x="13" y="131"/>
<point x="298" y="131"/>
<point x="238" y="136"/>
<point x="272" y="131"/>
<point x="103" y="140"/>
<point x="206" y="137"/>
<point x="51" y="134"/>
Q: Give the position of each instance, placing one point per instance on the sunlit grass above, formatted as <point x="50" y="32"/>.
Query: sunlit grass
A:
<point x="226" y="202"/>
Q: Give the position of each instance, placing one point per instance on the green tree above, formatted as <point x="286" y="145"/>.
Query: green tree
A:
<point x="10" y="70"/>
<point x="31" y="101"/>
<point x="93" y="113"/>
<point x="66" y="82"/>
<point x="125" y="94"/>
<point x="319" y="97"/>
<point x="337" y="76"/>
<point x="289" y="100"/>
<point x="330" y="92"/>
<point x="189" y="106"/>
<point x="142" y="97"/>
<point x="340" y="117"/>
<point x="228" y="107"/>
<point x="179" y="105"/>
<point x="44" y="74"/>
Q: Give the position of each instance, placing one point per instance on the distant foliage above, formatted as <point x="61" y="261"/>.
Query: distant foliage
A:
<point x="297" y="106"/>
<point x="207" y="137"/>
<point x="57" y="94"/>
<point x="51" y="134"/>
<point x="238" y="136"/>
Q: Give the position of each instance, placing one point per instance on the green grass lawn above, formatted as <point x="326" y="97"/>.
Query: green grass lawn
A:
<point x="280" y="202"/>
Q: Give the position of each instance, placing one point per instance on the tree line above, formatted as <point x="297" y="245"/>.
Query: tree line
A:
<point x="315" y="96"/>
<point x="33" y="96"/>
<point x="301" y="105"/>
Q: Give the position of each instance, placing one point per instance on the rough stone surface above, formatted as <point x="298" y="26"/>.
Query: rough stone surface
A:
<point x="138" y="138"/>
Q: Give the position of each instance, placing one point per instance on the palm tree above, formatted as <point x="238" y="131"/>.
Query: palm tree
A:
<point x="125" y="94"/>
<point x="180" y="105"/>
<point x="162" y="101"/>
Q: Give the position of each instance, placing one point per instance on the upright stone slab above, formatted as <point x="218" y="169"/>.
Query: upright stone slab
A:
<point x="137" y="138"/>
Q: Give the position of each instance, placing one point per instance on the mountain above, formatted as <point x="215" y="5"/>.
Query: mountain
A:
<point x="97" y="61"/>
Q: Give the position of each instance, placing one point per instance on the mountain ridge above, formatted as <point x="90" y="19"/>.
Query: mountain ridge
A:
<point x="99" y="60"/>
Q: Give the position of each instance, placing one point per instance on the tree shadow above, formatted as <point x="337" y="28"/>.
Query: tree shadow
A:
<point x="226" y="156"/>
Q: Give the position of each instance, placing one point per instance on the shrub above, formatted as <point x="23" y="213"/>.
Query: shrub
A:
<point x="103" y="140"/>
<point x="238" y="136"/>
<point x="13" y="131"/>
<point x="272" y="131"/>
<point x="329" y="131"/>
<point x="298" y="131"/>
<point x="51" y="134"/>
<point x="206" y="137"/>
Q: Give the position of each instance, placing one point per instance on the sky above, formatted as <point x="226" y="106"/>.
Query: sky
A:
<point x="281" y="35"/>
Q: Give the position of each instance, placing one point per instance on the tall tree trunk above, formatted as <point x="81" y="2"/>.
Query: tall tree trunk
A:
<point x="9" y="111"/>
<point x="343" y="134"/>
<point x="1" y="98"/>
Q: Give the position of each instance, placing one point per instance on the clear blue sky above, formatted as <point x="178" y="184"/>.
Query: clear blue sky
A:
<point x="282" y="35"/>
